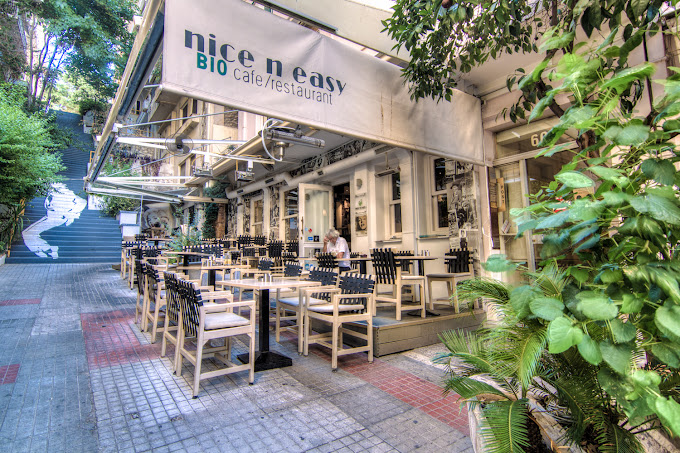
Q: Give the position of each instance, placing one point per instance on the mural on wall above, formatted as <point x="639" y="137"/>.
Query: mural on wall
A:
<point x="274" y="216"/>
<point x="158" y="217"/>
<point x="341" y="152"/>
<point x="63" y="208"/>
<point x="232" y="226"/>
<point x="463" y="222"/>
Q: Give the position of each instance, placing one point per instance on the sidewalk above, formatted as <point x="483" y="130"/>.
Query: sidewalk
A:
<point x="76" y="374"/>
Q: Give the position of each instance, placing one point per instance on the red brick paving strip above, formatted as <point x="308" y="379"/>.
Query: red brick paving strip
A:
<point x="9" y="373"/>
<point x="6" y="303"/>
<point x="407" y="387"/>
<point x="109" y="340"/>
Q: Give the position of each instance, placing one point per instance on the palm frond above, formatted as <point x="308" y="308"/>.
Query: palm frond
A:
<point x="581" y="398"/>
<point x="462" y="341"/>
<point x="489" y="289"/>
<point x="504" y="426"/>
<point x="551" y="280"/>
<point x="615" y="439"/>
<point x="470" y="388"/>
<point x="519" y="350"/>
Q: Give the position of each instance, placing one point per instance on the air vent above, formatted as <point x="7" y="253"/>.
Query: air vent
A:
<point x="269" y="181"/>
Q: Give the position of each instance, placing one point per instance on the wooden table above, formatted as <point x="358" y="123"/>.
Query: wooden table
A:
<point x="419" y="258"/>
<point x="212" y="270"/>
<point x="266" y="359"/>
<point x="362" y="260"/>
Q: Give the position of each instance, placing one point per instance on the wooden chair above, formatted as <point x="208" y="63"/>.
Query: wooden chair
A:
<point x="156" y="301"/>
<point x="388" y="273"/>
<point x="201" y="322"/>
<point x="170" y="332"/>
<point x="459" y="268"/>
<point x="291" y="304"/>
<point x="140" y="272"/>
<point x="351" y="302"/>
<point x="326" y="261"/>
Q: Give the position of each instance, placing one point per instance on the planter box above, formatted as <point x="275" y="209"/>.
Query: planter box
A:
<point x="550" y="429"/>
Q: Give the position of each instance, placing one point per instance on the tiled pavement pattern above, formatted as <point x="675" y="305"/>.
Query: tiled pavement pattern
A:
<point x="77" y="375"/>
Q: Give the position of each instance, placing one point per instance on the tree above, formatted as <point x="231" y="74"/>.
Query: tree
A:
<point x="86" y="38"/>
<point x="620" y="307"/>
<point x="12" y="56"/>
<point x="27" y="166"/>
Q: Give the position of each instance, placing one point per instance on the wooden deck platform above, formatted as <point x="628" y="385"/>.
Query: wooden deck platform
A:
<point x="390" y="335"/>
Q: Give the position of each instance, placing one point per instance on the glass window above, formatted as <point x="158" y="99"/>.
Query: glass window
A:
<point x="395" y="205"/>
<point x="290" y="213"/>
<point x="440" y="212"/>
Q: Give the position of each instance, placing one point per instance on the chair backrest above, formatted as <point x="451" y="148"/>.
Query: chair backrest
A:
<point x="265" y="265"/>
<point x="244" y="241"/>
<point x="275" y="249"/>
<point x="384" y="266"/>
<point x="140" y="271"/>
<point x="323" y="275"/>
<point x="326" y="260"/>
<point x="171" y="296"/>
<point x="405" y="265"/>
<point x="293" y="247"/>
<point x="356" y="284"/>
<point x="292" y="270"/>
<point x="289" y="258"/>
<point x="190" y="303"/>
<point x="459" y="261"/>
<point x="259" y="240"/>
<point x="153" y="282"/>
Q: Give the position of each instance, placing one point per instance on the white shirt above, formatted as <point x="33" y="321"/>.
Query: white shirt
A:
<point x="340" y="246"/>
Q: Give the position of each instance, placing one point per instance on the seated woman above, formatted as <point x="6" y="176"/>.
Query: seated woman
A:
<point x="333" y="243"/>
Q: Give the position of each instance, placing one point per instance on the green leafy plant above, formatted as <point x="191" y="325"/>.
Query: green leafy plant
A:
<point x="212" y="209"/>
<point x="181" y="240"/>
<point x="617" y="317"/>
<point x="614" y="325"/>
<point x="509" y="370"/>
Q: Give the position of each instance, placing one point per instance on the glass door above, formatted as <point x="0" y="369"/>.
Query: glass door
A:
<point x="316" y="218"/>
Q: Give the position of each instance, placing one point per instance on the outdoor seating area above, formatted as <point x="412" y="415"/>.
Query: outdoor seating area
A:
<point x="197" y="299"/>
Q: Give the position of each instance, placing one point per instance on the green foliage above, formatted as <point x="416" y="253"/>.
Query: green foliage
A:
<point x="212" y="209"/>
<point x="28" y="168"/>
<point x="86" y="39"/>
<point x="508" y="364"/>
<point x="112" y="205"/>
<point x="614" y="319"/>
<point x="85" y="105"/>
<point x="181" y="240"/>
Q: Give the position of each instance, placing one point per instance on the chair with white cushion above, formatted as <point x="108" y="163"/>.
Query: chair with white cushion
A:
<point x="351" y="302"/>
<point x="291" y="304"/>
<point x="201" y="322"/>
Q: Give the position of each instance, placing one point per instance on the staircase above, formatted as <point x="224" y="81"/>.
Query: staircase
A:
<point x="59" y="228"/>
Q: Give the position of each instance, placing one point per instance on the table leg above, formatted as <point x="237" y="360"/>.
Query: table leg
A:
<point x="266" y="359"/>
<point x="186" y="261"/>
<point x="362" y="267"/>
<point x="211" y="277"/>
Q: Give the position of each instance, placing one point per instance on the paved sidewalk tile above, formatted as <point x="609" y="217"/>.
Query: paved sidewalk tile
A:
<point x="77" y="374"/>
<point x="5" y="303"/>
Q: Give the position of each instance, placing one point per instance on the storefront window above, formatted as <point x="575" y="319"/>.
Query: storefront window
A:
<point x="395" y="204"/>
<point x="290" y="214"/>
<point x="440" y="211"/>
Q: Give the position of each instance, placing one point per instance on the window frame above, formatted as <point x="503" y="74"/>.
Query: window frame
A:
<point x="253" y="223"/>
<point x="392" y="203"/>
<point x="285" y="217"/>
<point x="434" y="195"/>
